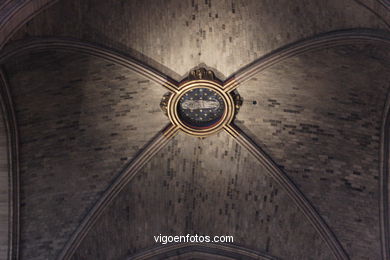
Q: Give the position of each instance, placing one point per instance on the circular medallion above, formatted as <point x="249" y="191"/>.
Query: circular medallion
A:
<point x="200" y="107"/>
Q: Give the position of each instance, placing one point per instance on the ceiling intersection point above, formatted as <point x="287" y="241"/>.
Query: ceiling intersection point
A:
<point x="201" y="106"/>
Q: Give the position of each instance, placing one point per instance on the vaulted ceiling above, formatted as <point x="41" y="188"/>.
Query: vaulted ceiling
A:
<point x="91" y="168"/>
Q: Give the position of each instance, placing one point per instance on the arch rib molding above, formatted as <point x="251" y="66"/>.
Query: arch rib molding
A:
<point x="294" y="193"/>
<point x="157" y="143"/>
<point x="326" y="40"/>
<point x="384" y="182"/>
<point x="209" y="250"/>
<point x="14" y="14"/>
<point x="44" y="44"/>
<point x="8" y="115"/>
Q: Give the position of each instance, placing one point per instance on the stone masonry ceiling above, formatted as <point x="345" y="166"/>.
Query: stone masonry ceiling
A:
<point x="92" y="169"/>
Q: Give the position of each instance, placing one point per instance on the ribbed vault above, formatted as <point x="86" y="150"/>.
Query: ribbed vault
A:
<point x="74" y="140"/>
<point x="203" y="186"/>
<point x="319" y="116"/>
<point x="84" y="116"/>
<point x="224" y="35"/>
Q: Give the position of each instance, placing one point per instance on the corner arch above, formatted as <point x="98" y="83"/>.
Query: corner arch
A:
<point x="202" y="251"/>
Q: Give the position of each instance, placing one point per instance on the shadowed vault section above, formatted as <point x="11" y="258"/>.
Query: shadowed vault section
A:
<point x="4" y="190"/>
<point x="319" y="115"/>
<point x="176" y="35"/>
<point x="80" y="119"/>
<point x="205" y="186"/>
